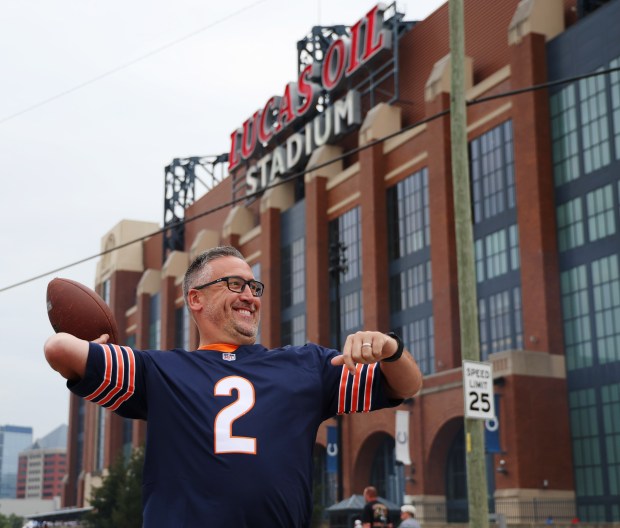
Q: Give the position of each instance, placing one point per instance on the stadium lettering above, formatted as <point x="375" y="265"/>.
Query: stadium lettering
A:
<point x="321" y="130"/>
<point x="343" y="58"/>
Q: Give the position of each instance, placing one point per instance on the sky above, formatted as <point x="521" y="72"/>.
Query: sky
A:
<point x="96" y="99"/>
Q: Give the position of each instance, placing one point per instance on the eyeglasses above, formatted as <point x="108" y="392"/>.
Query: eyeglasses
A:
<point x="237" y="285"/>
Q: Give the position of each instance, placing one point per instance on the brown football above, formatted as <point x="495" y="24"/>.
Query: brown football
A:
<point x="79" y="311"/>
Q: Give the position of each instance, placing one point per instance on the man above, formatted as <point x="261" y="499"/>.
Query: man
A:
<point x="407" y="514"/>
<point x="232" y="425"/>
<point x="375" y="514"/>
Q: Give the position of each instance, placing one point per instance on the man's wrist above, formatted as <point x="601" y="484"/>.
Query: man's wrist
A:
<point x="399" y="350"/>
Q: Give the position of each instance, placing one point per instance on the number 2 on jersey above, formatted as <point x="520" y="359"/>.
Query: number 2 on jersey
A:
<point x="224" y="441"/>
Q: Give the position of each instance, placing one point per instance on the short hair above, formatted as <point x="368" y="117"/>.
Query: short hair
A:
<point x="203" y="260"/>
<point x="371" y="491"/>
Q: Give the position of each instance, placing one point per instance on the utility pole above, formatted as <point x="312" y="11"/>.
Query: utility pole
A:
<point x="468" y="304"/>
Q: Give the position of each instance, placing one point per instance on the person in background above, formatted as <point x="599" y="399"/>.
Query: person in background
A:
<point x="375" y="514"/>
<point x="407" y="517"/>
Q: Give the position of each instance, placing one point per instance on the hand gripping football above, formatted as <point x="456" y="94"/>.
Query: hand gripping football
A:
<point x="79" y="311"/>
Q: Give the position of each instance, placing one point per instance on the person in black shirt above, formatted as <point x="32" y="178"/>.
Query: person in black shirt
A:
<point x="375" y="513"/>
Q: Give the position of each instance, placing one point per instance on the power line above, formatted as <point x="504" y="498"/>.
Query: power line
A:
<point x="128" y="64"/>
<point x="301" y="173"/>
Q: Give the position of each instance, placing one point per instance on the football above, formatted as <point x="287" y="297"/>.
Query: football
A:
<point x="79" y="311"/>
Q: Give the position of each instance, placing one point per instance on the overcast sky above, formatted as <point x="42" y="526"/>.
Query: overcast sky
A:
<point x="96" y="98"/>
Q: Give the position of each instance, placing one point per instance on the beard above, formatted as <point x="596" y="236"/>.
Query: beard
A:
<point x="237" y="329"/>
<point x="247" y="330"/>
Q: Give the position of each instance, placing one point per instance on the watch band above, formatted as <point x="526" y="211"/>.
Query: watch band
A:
<point x="399" y="350"/>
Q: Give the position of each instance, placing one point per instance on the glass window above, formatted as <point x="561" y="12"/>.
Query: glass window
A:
<point x="420" y="339"/>
<point x="383" y="471"/>
<point x="411" y="293"/>
<point x="293" y="276"/>
<point x="294" y="330"/>
<point x="256" y="273"/>
<point x="496" y="240"/>
<point x="79" y="456"/>
<point x="606" y="295"/>
<point x="350" y="313"/>
<point x="100" y="445"/>
<point x="349" y="230"/>
<point x="479" y="256"/>
<point x="513" y="240"/>
<point x="411" y="218"/>
<point x="492" y="172"/>
<point x="105" y="291"/>
<point x="570" y="224"/>
<point x="614" y="79"/>
<point x="293" y="293"/>
<point x="601" y="214"/>
<point x="594" y="127"/>
<point x="497" y="253"/>
<point x="586" y="451"/>
<point x="500" y="322"/>
<point x="155" y="322"/>
<point x="181" y="328"/>
<point x="293" y="273"/>
<point x="518" y="317"/>
<point x="610" y="396"/>
<point x="564" y="133"/>
<point x="411" y="287"/>
<point x="346" y="309"/>
<point x="576" y="313"/>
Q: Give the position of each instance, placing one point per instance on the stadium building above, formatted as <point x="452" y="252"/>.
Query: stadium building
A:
<point x="339" y="192"/>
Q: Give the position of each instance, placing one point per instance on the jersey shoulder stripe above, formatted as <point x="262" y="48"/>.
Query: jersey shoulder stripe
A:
<point x="356" y="387"/>
<point x="117" y="385"/>
<point x="355" y="391"/>
<point x="119" y="380"/>
<point x="370" y="377"/>
<point x="131" y="378"/>
<point x="107" y="378"/>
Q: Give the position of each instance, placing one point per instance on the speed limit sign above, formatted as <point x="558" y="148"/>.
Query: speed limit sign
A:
<point x="478" y="390"/>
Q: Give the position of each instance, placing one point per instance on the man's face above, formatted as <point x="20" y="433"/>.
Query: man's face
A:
<point x="226" y="316"/>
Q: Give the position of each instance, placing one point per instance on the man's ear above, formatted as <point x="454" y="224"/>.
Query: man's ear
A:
<point x="194" y="301"/>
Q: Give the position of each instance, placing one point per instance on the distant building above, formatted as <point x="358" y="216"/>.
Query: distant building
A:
<point x="42" y="467"/>
<point x="57" y="438"/>
<point x="13" y="439"/>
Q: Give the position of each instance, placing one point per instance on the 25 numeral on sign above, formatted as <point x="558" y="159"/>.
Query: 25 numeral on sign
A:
<point x="479" y="402"/>
<point x="478" y="390"/>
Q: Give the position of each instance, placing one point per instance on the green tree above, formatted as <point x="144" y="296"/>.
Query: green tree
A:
<point x="117" y="503"/>
<point x="12" y="521"/>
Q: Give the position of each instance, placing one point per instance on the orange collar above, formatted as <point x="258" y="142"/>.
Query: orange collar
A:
<point x="219" y="347"/>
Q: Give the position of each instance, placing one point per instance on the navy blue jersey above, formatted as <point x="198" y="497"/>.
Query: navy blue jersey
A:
<point x="230" y="435"/>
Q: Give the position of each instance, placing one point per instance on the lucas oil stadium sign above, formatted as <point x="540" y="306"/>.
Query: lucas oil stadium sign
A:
<point x="269" y="131"/>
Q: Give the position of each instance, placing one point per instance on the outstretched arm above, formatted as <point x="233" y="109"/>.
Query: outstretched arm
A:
<point x="67" y="354"/>
<point x="402" y="376"/>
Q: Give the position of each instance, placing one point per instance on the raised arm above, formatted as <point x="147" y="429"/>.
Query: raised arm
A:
<point x="67" y="354"/>
<point x="403" y="375"/>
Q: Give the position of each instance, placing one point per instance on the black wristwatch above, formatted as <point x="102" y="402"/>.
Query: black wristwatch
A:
<point x="399" y="350"/>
